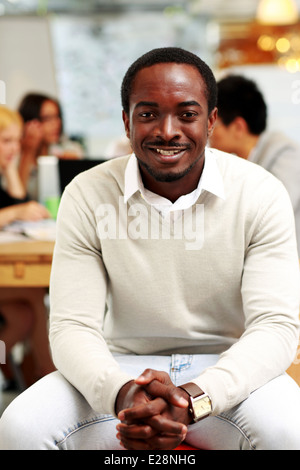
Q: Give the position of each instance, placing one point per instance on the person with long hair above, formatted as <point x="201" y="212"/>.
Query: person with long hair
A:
<point x="22" y="311"/>
<point x="43" y="135"/>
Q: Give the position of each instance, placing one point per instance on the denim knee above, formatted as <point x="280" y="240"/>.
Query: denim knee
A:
<point x="15" y="419"/>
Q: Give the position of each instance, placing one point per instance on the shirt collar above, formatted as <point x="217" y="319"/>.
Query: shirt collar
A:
<point x="211" y="181"/>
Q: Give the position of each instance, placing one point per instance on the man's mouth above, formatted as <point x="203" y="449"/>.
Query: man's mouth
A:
<point x="168" y="153"/>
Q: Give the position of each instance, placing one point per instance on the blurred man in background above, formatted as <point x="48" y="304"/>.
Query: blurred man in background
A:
<point x="241" y="129"/>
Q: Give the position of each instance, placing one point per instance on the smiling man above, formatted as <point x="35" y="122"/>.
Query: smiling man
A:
<point x="156" y="340"/>
<point x="168" y="127"/>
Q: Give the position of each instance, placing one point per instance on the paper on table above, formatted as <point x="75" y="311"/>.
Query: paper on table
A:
<point x="10" y="237"/>
<point x="40" y="230"/>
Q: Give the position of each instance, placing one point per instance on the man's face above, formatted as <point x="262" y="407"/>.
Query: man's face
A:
<point x="168" y="122"/>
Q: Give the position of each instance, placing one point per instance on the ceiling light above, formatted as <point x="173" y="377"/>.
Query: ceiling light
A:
<point x="283" y="45"/>
<point x="277" y="12"/>
<point x="266" y="43"/>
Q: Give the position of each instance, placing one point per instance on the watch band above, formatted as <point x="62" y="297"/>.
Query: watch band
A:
<point x="199" y="401"/>
<point x="192" y="389"/>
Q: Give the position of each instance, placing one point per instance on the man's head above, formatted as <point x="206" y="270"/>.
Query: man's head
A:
<point x="242" y="114"/>
<point x="169" y="98"/>
<point x="169" y="55"/>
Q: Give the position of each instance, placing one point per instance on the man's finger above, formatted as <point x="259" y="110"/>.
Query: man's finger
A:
<point x="159" y="384"/>
<point x="143" y="411"/>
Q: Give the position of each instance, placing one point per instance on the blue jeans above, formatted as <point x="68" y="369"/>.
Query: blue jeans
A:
<point x="52" y="414"/>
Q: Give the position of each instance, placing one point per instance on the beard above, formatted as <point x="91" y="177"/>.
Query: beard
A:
<point x="167" y="177"/>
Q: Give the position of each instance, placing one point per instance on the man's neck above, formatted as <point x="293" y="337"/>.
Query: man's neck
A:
<point x="247" y="146"/>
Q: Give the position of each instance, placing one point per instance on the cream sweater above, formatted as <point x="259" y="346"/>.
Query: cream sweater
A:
<point x="278" y="154"/>
<point x="156" y="289"/>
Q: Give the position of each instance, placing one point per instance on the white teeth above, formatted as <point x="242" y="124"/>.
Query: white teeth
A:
<point x="167" y="152"/>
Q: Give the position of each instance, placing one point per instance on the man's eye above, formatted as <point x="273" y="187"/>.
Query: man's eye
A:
<point x="189" y="114"/>
<point x="146" y="115"/>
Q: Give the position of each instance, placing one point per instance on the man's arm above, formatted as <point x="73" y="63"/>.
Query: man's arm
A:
<point x="270" y="303"/>
<point x="77" y="300"/>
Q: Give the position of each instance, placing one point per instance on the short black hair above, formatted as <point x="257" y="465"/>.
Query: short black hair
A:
<point x="169" y="55"/>
<point x="239" y="96"/>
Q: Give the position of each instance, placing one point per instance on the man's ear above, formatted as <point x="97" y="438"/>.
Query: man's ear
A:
<point x="240" y="125"/>
<point x="125" y="118"/>
<point x="212" y="118"/>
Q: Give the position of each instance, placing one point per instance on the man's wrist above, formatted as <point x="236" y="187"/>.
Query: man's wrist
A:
<point x="121" y="396"/>
<point x="186" y="396"/>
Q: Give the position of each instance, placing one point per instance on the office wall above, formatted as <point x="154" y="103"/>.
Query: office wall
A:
<point x="26" y="57"/>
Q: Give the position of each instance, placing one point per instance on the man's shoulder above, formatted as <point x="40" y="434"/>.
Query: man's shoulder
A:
<point x="244" y="176"/>
<point x="278" y="138"/>
<point x="105" y="173"/>
<point x="113" y="167"/>
<point x="273" y="146"/>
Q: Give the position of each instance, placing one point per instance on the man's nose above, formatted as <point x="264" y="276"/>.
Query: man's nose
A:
<point x="168" y="128"/>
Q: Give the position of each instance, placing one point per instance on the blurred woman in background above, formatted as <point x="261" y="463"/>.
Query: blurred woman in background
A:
<point x="43" y="135"/>
<point x="14" y="202"/>
<point x="22" y="311"/>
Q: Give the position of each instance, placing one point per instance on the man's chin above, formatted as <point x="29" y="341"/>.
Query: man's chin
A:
<point x="166" y="176"/>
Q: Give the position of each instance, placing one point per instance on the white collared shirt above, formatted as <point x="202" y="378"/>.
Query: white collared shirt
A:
<point x="210" y="180"/>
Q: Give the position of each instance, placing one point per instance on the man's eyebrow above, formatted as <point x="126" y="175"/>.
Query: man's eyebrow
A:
<point x="140" y="104"/>
<point x="153" y="104"/>
<point x="189" y="103"/>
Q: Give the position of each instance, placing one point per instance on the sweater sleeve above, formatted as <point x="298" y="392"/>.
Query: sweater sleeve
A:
<point x="77" y="309"/>
<point x="270" y="293"/>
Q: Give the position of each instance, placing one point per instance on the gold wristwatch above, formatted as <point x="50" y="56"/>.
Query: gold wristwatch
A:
<point x="200" y="403"/>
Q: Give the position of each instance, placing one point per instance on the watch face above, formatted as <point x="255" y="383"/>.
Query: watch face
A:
<point x="201" y="407"/>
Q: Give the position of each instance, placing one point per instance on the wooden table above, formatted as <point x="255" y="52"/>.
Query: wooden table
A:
<point x="25" y="264"/>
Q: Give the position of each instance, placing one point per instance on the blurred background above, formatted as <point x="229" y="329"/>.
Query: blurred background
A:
<point x="79" y="50"/>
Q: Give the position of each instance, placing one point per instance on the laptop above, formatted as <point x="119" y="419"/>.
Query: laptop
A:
<point x="68" y="169"/>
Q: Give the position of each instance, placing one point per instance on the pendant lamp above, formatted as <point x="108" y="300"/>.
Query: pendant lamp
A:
<point x="277" y="12"/>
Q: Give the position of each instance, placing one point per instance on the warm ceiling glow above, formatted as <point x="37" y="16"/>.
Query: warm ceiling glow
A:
<point x="277" y="12"/>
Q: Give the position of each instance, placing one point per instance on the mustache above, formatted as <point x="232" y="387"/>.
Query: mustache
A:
<point x="163" y="143"/>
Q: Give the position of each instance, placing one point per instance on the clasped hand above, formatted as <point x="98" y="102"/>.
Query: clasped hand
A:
<point x="153" y="413"/>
